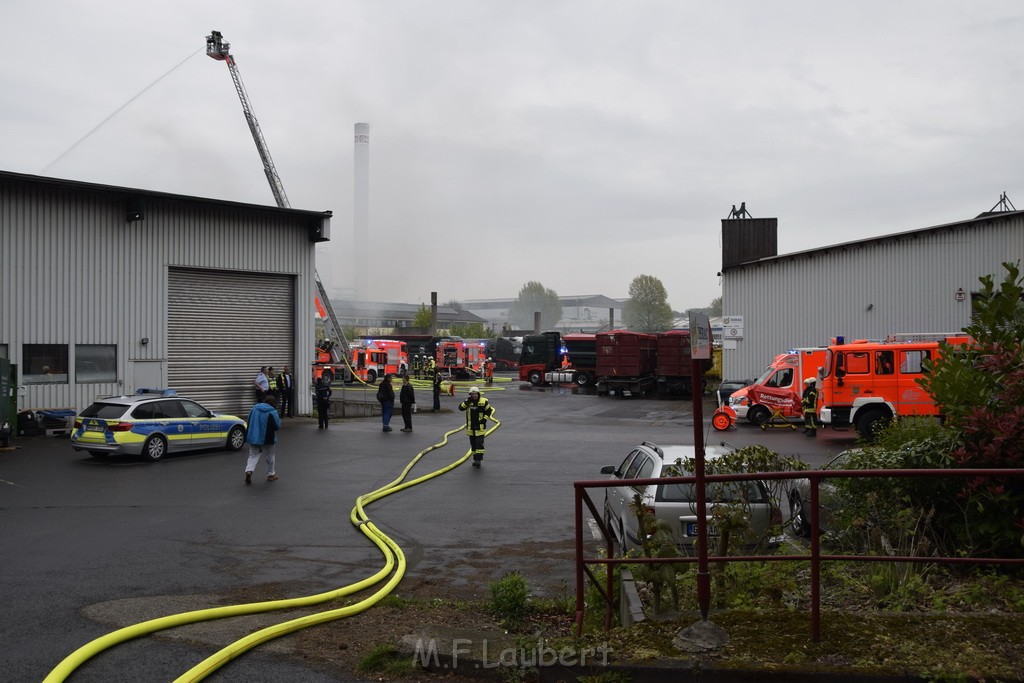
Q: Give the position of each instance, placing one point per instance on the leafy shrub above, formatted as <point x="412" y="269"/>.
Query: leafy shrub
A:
<point x="731" y="514"/>
<point x="980" y="390"/>
<point x="510" y="599"/>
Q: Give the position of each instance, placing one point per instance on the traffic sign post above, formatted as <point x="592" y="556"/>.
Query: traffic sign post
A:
<point x="700" y="349"/>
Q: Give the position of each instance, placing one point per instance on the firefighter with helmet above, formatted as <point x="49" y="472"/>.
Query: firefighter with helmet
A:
<point x="809" y="403"/>
<point x="477" y="410"/>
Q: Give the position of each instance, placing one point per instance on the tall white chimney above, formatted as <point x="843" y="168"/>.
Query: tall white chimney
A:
<point x="361" y="213"/>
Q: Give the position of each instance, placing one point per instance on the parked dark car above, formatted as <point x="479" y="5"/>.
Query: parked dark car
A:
<point x="726" y="388"/>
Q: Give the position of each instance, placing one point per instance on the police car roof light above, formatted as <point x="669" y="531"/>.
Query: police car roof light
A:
<point x="156" y="392"/>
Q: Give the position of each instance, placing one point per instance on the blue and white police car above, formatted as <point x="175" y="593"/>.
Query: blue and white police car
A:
<point x="151" y="424"/>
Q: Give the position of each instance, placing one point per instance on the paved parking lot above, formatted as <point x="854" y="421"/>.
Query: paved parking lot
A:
<point x="89" y="545"/>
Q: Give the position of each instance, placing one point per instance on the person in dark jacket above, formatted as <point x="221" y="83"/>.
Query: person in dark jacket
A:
<point x="437" y="391"/>
<point x="386" y="398"/>
<point x="407" y="397"/>
<point x="261" y="436"/>
<point x="477" y="410"/>
<point x="809" y="403"/>
<point x="323" y="402"/>
<point x="286" y="390"/>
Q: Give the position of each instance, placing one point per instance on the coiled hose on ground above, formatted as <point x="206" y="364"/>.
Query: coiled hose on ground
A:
<point x="394" y="564"/>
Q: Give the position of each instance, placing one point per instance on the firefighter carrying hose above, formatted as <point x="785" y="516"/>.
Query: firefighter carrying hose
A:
<point x="809" y="403"/>
<point x="477" y="410"/>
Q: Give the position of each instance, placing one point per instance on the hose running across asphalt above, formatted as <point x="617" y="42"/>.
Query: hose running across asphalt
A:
<point x="393" y="556"/>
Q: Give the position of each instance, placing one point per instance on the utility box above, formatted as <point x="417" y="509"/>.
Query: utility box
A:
<point x="8" y="401"/>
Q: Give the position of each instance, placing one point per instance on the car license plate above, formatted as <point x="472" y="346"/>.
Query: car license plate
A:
<point x="95" y="428"/>
<point x="691" y="530"/>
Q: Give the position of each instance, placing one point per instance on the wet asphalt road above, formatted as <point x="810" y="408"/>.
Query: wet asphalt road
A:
<point x="87" y="546"/>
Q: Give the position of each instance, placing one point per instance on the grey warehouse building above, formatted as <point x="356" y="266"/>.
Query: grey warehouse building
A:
<point x="107" y="290"/>
<point x="916" y="282"/>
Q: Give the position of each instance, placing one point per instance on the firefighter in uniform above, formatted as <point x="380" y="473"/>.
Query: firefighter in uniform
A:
<point x="809" y="403"/>
<point x="477" y="410"/>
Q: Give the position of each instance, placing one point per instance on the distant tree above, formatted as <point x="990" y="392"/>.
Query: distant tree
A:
<point x="535" y="297"/>
<point x="457" y="305"/>
<point x="714" y="309"/>
<point x="422" y="317"/>
<point x="647" y="309"/>
<point x="472" y="331"/>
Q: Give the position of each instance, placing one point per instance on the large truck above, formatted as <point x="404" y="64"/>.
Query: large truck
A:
<point x="674" y="368"/>
<point x="865" y="384"/>
<point x="626" y="363"/>
<point x="554" y="358"/>
<point x="367" y="361"/>
<point x="460" y="358"/>
<point x="776" y="394"/>
<point x="504" y="352"/>
<point x="329" y="361"/>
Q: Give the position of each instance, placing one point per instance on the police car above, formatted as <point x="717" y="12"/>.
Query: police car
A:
<point x="151" y="424"/>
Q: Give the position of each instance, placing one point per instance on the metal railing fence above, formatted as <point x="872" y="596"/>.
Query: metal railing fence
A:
<point x="582" y="497"/>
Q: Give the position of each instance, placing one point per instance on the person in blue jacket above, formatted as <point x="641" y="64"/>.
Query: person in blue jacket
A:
<point x="264" y="422"/>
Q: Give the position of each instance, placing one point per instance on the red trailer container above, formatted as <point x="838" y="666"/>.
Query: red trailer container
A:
<point x="626" y="362"/>
<point x="675" y="366"/>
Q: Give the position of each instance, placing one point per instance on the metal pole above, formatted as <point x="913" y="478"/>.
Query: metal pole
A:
<point x="703" y="576"/>
<point x="815" y="563"/>
<point x="577" y="491"/>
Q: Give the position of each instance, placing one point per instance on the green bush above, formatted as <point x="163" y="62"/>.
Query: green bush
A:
<point x="980" y="388"/>
<point x="510" y="599"/>
<point x="386" y="659"/>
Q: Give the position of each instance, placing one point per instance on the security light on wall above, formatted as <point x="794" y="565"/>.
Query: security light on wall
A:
<point x="133" y="211"/>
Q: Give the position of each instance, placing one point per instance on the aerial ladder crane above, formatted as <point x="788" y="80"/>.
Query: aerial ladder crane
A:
<point x="219" y="49"/>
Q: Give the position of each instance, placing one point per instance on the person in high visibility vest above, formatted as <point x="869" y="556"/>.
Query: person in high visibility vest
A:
<point x="477" y="410"/>
<point x="809" y="403"/>
<point x="489" y="372"/>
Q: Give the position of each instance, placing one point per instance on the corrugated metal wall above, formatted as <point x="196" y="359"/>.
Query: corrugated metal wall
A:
<point x="73" y="270"/>
<point x="865" y="290"/>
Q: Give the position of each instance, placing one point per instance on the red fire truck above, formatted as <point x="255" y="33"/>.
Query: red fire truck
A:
<point x="868" y="383"/>
<point x="461" y="359"/>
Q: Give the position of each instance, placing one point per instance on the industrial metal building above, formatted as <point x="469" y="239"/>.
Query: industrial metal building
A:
<point x="389" y="318"/>
<point x="587" y="313"/>
<point x="109" y="289"/>
<point x="920" y="281"/>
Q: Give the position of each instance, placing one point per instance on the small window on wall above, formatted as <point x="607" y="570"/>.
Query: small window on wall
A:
<point x="44" y="363"/>
<point x="3" y="351"/>
<point x="95" y="363"/>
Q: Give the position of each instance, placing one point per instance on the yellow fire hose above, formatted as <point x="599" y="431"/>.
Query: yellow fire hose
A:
<point x="392" y="555"/>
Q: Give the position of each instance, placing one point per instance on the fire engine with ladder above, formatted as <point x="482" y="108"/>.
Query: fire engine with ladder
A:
<point x="331" y="355"/>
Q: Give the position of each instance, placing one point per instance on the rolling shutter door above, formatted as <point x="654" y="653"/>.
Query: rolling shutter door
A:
<point x="222" y="327"/>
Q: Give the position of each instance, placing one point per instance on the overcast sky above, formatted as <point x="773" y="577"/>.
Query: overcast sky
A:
<point x="576" y="143"/>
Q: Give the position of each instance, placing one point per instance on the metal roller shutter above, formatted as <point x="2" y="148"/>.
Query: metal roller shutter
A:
<point x="222" y="327"/>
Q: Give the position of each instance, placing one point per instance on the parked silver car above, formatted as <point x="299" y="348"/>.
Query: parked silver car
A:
<point x="675" y="504"/>
<point x="800" y="498"/>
